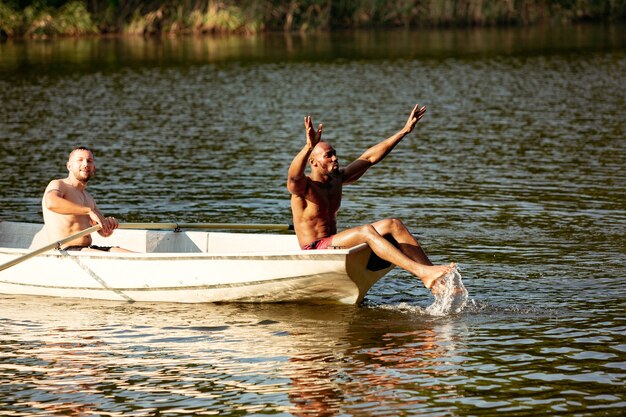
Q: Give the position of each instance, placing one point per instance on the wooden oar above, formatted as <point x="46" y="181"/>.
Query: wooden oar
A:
<point x="230" y="226"/>
<point x="46" y="248"/>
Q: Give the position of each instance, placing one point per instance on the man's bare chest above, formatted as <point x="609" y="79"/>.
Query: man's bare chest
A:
<point x="327" y="197"/>
<point x="77" y="196"/>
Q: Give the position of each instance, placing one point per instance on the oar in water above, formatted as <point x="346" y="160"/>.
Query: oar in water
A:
<point x="46" y="248"/>
<point x="230" y="226"/>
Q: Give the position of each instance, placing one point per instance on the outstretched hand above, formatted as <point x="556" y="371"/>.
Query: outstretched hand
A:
<point x="416" y="115"/>
<point x="312" y="137"/>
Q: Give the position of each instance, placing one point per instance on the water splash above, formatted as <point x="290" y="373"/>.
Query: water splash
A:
<point x="404" y="307"/>
<point x="453" y="298"/>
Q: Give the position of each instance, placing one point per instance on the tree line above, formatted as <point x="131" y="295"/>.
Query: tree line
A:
<point x="49" y="18"/>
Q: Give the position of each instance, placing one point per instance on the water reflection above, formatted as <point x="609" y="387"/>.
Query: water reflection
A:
<point x="112" y="53"/>
<point x="300" y="359"/>
<point x="86" y="357"/>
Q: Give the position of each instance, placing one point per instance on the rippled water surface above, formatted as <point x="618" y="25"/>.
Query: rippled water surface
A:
<point x="517" y="173"/>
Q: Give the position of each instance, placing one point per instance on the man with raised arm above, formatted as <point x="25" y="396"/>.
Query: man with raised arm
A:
<point x="316" y="198"/>
<point x="68" y="208"/>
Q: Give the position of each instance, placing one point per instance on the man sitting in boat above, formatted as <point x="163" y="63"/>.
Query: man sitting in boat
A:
<point x="68" y="208"/>
<point x="316" y="198"/>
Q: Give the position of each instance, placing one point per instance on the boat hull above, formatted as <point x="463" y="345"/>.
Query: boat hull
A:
<point x="281" y="275"/>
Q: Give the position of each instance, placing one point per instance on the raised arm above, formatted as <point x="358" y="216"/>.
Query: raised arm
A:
<point x="296" y="180"/>
<point x="378" y="152"/>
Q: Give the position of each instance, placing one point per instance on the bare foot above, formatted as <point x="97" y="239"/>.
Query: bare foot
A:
<point x="440" y="285"/>
<point x="433" y="274"/>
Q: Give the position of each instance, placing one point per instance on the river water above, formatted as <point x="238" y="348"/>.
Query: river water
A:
<point x="517" y="173"/>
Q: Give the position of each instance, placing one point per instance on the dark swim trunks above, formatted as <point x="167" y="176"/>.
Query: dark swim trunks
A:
<point x="96" y="247"/>
<point x="323" y="243"/>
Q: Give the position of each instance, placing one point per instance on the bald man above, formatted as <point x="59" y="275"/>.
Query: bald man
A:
<point x="316" y="198"/>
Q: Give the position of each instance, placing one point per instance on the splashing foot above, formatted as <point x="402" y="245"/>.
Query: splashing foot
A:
<point x="450" y="294"/>
<point x="432" y="274"/>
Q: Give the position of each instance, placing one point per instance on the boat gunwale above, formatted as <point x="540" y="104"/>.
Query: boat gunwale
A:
<point x="144" y="256"/>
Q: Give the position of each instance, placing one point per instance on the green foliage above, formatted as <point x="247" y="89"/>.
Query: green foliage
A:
<point x="10" y="20"/>
<point x="39" y="19"/>
<point x="73" y="19"/>
<point x="79" y="17"/>
<point x="218" y="18"/>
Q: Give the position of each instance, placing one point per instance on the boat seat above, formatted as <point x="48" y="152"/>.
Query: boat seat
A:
<point x="250" y="242"/>
<point x="19" y="235"/>
<point x="161" y="241"/>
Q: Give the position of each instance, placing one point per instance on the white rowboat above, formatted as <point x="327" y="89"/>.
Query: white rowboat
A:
<point x="188" y="267"/>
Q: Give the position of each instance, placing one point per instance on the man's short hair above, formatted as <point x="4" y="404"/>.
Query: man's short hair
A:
<point x="80" y="148"/>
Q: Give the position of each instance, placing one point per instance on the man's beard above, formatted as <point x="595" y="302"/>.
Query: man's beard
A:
<point x="85" y="177"/>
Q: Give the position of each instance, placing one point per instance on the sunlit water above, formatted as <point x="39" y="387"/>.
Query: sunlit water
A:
<point x="516" y="173"/>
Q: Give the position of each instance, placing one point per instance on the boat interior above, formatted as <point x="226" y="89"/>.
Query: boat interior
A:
<point x="31" y="236"/>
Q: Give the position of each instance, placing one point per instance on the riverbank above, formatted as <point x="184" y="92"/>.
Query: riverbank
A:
<point x="44" y="19"/>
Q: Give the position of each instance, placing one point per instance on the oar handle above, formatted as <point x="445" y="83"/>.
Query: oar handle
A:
<point x="230" y="226"/>
<point x="49" y="246"/>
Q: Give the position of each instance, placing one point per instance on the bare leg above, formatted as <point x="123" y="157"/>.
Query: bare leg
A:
<point x="113" y="249"/>
<point x="410" y="258"/>
<point x="407" y="242"/>
<point x="122" y="250"/>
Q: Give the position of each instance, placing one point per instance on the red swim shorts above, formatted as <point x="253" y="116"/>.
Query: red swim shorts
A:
<point x="323" y="243"/>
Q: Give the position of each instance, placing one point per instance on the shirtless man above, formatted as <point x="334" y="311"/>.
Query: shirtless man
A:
<point x="315" y="201"/>
<point x="68" y="208"/>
